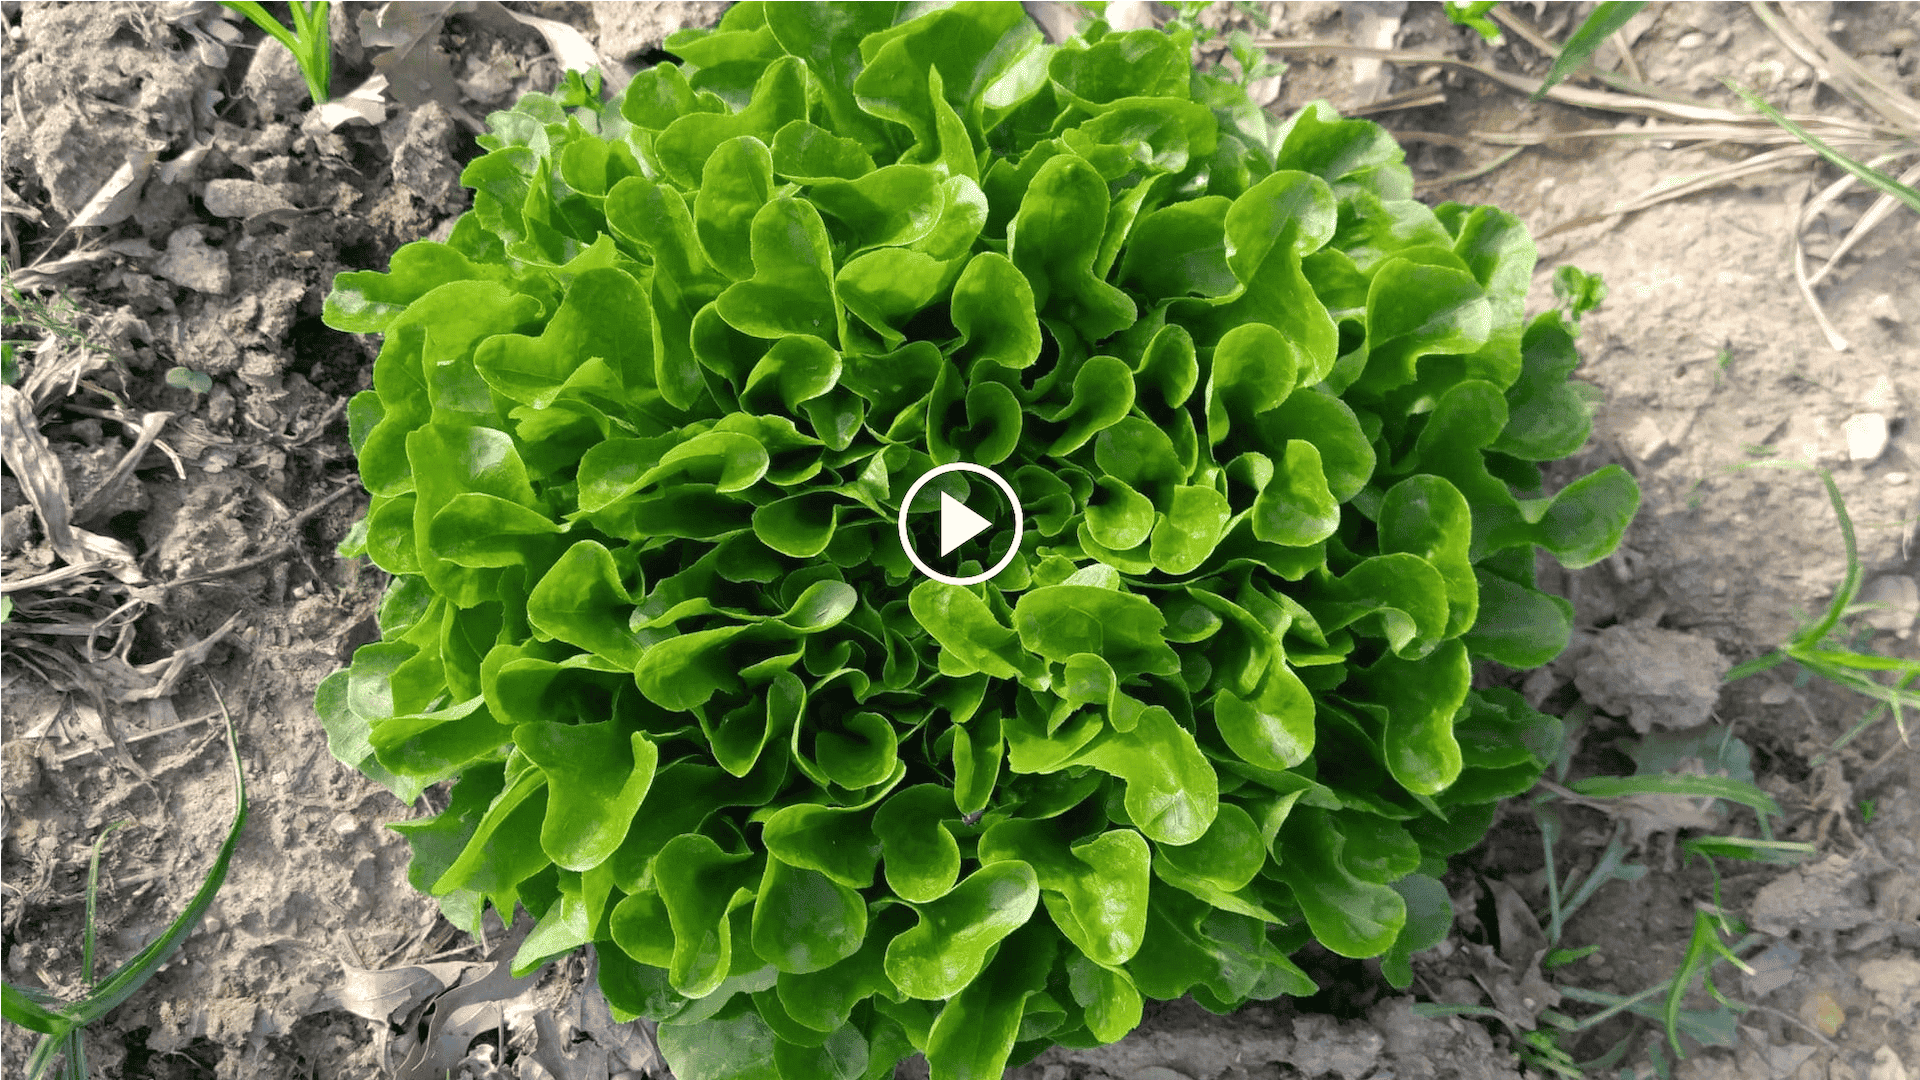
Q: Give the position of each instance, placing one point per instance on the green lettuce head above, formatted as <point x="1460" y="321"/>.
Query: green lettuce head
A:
<point x="636" y="444"/>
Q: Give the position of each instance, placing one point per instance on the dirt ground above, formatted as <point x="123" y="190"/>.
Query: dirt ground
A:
<point x="216" y="209"/>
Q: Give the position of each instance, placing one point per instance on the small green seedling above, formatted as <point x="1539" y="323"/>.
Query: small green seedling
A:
<point x="1866" y="811"/>
<point x="1578" y="292"/>
<point x="1255" y="63"/>
<point x="1474" y="16"/>
<point x="61" y="1026"/>
<point x="1822" y="648"/>
<point x="184" y="378"/>
<point x="308" y="41"/>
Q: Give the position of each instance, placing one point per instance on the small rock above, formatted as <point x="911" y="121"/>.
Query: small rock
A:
<point x="1895" y="479"/>
<point x="1721" y="39"/>
<point x="1887" y="1065"/>
<point x="191" y="264"/>
<point x="1881" y="307"/>
<point x="273" y="82"/>
<point x="627" y="27"/>
<point x="344" y="825"/>
<point x="1827" y="895"/>
<point x="1898" y="600"/>
<point x="1824" y="1011"/>
<point x="1772" y="969"/>
<point x="1652" y="676"/>
<point x="242" y="199"/>
<point x="1646" y="439"/>
<point x="1895" y="981"/>
<point x="1691" y="41"/>
<point x="1866" y="435"/>
<point x="1130" y="15"/>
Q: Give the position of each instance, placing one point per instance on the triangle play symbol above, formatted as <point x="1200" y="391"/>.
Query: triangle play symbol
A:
<point x="957" y="523"/>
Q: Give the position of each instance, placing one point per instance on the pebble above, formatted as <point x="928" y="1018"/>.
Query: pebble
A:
<point x="1646" y="439"/>
<point x="1898" y="600"/>
<point x="1691" y="41"/>
<point x="1866" y="436"/>
<point x="344" y="825"/>
<point x="1887" y="1065"/>
<point x="1895" y="479"/>
<point x="191" y="263"/>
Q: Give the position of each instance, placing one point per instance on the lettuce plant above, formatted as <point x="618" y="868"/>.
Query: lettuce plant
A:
<point x="636" y="442"/>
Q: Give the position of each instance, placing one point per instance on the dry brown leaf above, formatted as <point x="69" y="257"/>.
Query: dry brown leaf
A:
<point x="383" y="996"/>
<point x="416" y="68"/>
<point x="44" y="482"/>
<point x="569" y="46"/>
<point x="41" y="274"/>
<point x="115" y="200"/>
<point x="11" y="203"/>
<point x="366" y="103"/>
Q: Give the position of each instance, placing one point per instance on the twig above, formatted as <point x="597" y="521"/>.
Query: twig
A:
<point x="1473" y="174"/>
<point x="293" y="524"/>
<point x="1626" y="56"/>
<point x="1417" y="98"/>
<point x="1639" y="104"/>
<point x="1875" y="214"/>
<point x="1838" y="343"/>
<point x="51" y="577"/>
<point x="147" y="433"/>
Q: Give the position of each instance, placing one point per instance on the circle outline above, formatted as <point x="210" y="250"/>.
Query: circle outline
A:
<point x="1019" y="522"/>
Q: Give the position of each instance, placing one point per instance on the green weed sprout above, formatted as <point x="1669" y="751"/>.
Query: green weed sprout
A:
<point x="185" y="378"/>
<point x="1872" y="177"/>
<point x="1706" y="948"/>
<point x="1606" y="19"/>
<point x="308" y="41"/>
<point x="62" y="1026"/>
<point x="1821" y="648"/>
<point x="1474" y="16"/>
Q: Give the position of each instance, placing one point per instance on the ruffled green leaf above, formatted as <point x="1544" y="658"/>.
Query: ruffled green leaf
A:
<point x="597" y="778"/>
<point x="1095" y="890"/>
<point x="922" y="857"/>
<point x="937" y="958"/>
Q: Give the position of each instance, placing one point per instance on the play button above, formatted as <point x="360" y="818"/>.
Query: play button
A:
<point x="958" y="524"/>
<point x="961" y="524"/>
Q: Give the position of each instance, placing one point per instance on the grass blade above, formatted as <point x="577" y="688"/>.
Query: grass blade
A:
<point x="93" y="888"/>
<point x="1709" y="787"/>
<point x="20" y="1009"/>
<point x="1610" y="16"/>
<point x="1873" y="178"/>
<point x="130" y="976"/>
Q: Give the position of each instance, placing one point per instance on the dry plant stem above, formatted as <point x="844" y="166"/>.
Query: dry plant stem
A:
<point x="1875" y="214"/>
<point x="1634" y="83"/>
<point x="1669" y="190"/>
<point x="1473" y="174"/>
<point x="1834" y="340"/>
<point x="1626" y="57"/>
<point x="148" y="433"/>
<point x="120" y="417"/>
<point x="1417" y="98"/>
<point x="1637" y="104"/>
<point x="1834" y="67"/>
<point x="268" y="556"/>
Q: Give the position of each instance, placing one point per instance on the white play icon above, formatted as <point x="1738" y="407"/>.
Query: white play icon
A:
<point x="958" y="524"/>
